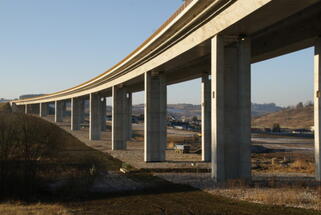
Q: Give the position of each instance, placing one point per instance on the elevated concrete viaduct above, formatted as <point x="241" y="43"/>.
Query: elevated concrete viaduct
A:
<point x="215" y="40"/>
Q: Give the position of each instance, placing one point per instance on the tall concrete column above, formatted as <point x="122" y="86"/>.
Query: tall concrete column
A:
<point x="21" y="108"/>
<point x="82" y="110"/>
<point x="35" y="108"/>
<point x="206" y="117"/>
<point x="64" y="109"/>
<point x="94" y="116"/>
<point x="59" y="111"/>
<point x="103" y="114"/>
<point x="129" y="116"/>
<point x="26" y="109"/>
<point x="14" y="107"/>
<point x="317" y="108"/>
<point x="231" y="110"/>
<point x="155" y="137"/>
<point x="119" y="118"/>
<point x="75" y="113"/>
<point x="43" y="109"/>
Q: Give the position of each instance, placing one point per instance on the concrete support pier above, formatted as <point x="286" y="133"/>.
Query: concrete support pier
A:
<point x="206" y="117"/>
<point x="21" y="108"/>
<point x="119" y="118"/>
<point x="129" y="116"/>
<point x="94" y="116"/>
<point x="14" y="108"/>
<point x="59" y="111"/>
<point x="82" y="110"/>
<point x="317" y="108"/>
<point x="35" y="109"/>
<point x="103" y="114"/>
<point x="64" y="109"/>
<point x="27" y="109"/>
<point x="231" y="110"/>
<point x="44" y="109"/>
<point x="155" y="134"/>
<point x="75" y="113"/>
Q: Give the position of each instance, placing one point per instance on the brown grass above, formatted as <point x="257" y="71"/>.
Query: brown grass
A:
<point x="5" y="107"/>
<point x="284" y="162"/>
<point x="298" y="197"/>
<point x="303" y="166"/>
<point x="27" y="209"/>
<point x="288" y="118"/>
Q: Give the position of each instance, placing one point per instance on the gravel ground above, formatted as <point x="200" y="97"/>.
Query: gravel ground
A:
<point x="134" y="154"/>
<point x="294" y="195"/>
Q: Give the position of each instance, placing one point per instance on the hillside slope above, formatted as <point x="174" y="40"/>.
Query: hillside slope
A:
<point x="5" y="107"/>
<point x="287" y="118"/>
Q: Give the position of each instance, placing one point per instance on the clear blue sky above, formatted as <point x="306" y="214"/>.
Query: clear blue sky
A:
<point x="47" y="46"/>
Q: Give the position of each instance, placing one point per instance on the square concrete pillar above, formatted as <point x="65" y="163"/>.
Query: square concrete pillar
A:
<point x="18" y="108"/>
<point x="231" y="110"/>
<point x="155" y="133"/>
<point x="129" y="115"/>
<point x="44" y="109"/>
<point x="82" y="110"/>
<point x="317" y="108"/>
<point x="26" y="109"/>
<point x="75" y="113"/>
<point x="64" y="109"/>
<point x="94" y="116"/>
<point x="119" y="118"/>
<point x="103" y="114"/>
<point x="59" y="111"/>
<point x="21" y="108"/>
<point x="206" y="117"/>
<point x="14" y="108"/>
<point x="35" y="109"/>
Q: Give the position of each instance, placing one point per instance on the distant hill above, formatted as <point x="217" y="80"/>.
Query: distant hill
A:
<point x="287" y="118"/>
<point x="262" y="109"/>
<point x="190" y="110"/>
<point x="2" y="100"/>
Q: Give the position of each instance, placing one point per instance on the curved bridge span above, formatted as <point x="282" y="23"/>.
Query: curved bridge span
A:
<point x="216" y="40"/>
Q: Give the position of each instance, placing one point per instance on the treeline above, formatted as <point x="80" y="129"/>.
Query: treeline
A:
<point x="300" y="105"/>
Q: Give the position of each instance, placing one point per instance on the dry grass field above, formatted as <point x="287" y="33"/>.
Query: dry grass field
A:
<point x="283" y="162"/>
<point x="287" y="118"/>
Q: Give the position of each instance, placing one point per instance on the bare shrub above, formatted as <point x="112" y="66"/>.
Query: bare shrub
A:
<point x="26" y="142"/>
<point x="303" y="165"/>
